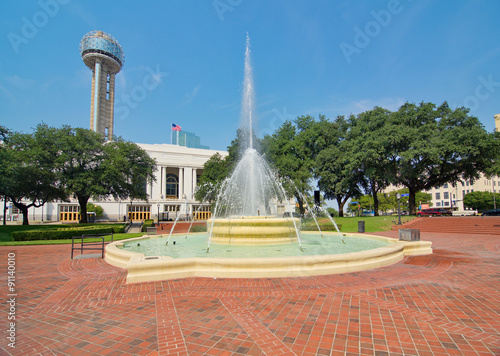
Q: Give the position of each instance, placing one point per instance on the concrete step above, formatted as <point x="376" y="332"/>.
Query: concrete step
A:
<point x="455" y="224"/>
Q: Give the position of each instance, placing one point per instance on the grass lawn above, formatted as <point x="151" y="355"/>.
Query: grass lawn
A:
<point x="372" y="223"/>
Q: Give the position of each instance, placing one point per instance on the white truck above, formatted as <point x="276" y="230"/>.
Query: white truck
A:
<point x="464" y="213"/>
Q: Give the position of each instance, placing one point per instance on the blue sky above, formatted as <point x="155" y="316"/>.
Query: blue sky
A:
<point x="309" y="58"/>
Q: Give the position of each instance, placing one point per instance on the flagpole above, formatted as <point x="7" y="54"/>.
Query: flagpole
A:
<point x="177" y="137"/>
<point x="171" y="134"/>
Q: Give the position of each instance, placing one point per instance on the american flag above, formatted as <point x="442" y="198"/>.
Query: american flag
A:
<point x="176" y="127"/>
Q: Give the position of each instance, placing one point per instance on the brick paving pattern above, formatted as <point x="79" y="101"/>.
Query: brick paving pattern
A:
<point x="447" y="303"/>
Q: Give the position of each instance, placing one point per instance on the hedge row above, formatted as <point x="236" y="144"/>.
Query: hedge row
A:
<point x="117" y="228"/>
<point x="63" y="233"/>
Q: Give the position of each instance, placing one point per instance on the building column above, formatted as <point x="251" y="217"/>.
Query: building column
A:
<point x="194" y="182"/>
<point x="163" y="188"/>
<point x="188" y="182"/>
<point x="181" y="182"/>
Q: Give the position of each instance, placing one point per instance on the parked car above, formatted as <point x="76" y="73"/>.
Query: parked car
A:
<point x="434" y="212"/>
<point x="494" y="212"/>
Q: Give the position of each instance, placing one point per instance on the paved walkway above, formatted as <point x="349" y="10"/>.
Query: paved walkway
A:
<point x="447" y="303"/>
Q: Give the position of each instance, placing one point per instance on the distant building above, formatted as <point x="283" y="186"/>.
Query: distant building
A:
<point x="187" y="139"/>
<point x="452" y="197"/>
<point x="497" y="122"/>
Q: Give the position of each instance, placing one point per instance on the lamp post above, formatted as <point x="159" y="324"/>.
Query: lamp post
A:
<point x="399" y="208"/>
<point x="494" y="198"/>
<point x="158" y="213"/>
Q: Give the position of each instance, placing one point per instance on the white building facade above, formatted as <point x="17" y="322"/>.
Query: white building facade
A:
<point x="177" y="174"/>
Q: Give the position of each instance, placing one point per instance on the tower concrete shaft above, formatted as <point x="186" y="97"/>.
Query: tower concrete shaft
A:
<point x="102" y="100"/>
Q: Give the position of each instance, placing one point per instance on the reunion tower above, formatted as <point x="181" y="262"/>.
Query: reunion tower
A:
<point x="102" y="53"/>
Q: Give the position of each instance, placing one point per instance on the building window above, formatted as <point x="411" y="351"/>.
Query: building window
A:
<point x="467" y="183"/>
<point x="438" y="196"/>
<point x="463" y="194"/>
<point x="445" y="186"/>
<point x="438" y="204"/>
<point x="172" y="187"/>
<point x="446" y="203"/>
<point x="446" y="195"/>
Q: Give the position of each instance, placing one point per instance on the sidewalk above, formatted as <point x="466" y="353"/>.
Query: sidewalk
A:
<point x="446" y="303"/>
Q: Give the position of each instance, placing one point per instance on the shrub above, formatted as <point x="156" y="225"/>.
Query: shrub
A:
<point x="146" y="224"/>
<point x="199" y="228"/>
<point x="61" y="233"/>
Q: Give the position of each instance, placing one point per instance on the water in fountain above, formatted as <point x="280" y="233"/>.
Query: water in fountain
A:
<point x="252" y="191"/>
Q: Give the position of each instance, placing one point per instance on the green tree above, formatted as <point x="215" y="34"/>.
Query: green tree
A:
<point x="29" y="169"/>
<point x="90" y="167"/>
<point x="215" y="170"/>
<point x="337" y="176"/>
<point x="97" y="209"/>
<point x="369" y="152"/>
<point x="81" y="164"/>
<point x="127" y="170"/>
<point x="481" y="201"/>
<point x="430" y="146"/>
<point x="284" y="150"/>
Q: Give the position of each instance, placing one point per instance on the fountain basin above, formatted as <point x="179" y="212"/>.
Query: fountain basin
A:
<point x="141" y="268"/>
<point x="253" y="230"/>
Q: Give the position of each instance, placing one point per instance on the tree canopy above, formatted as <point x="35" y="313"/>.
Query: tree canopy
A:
<point x="56" y="163"/>
<point x="29" y="169"/>
<point x="481" y="201"/>
<point x="430" y="146"/>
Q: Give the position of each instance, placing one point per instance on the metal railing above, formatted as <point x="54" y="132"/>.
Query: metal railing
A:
<point x="90" y="245"/>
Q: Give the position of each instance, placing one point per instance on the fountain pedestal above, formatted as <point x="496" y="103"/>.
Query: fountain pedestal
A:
<point x="253" y="230"/>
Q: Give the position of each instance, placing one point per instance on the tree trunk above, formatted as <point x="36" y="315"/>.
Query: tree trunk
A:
<point x="83" y="200"/>
<point x="301" y="204"/>
<point x="341" y="207"/>
<point x="375" y="200"/>
<point x="412" y="207"/>
<point x="4" y="209"/>
<point x="24" y="210"/>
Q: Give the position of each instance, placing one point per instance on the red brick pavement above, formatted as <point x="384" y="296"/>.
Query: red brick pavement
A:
<point x="447" y="303"/>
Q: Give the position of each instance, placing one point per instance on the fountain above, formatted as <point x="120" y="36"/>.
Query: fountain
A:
<point x="248" y="216"/>
<point x="246" y="207"/>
